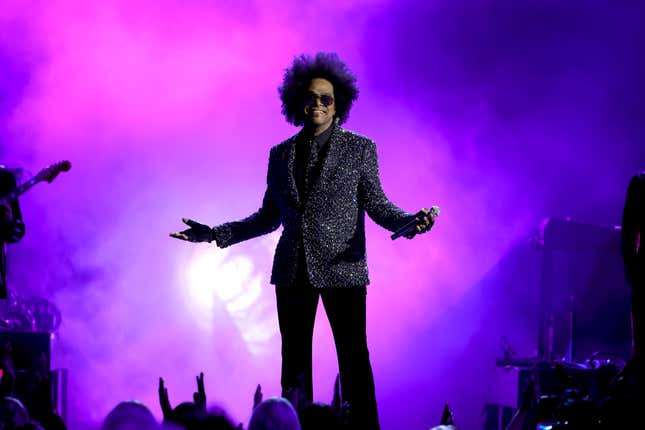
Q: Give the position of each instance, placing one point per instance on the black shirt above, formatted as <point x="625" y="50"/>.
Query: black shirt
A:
<point x="310" y="154"/>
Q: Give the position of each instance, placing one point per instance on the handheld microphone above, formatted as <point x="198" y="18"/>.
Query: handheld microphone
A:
<point x="411" y="227"/>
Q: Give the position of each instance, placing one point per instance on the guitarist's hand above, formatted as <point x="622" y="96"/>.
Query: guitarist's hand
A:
<point x="196" y="233"/>
<point x="11" y="229"/>
<point x="6" y="214"/>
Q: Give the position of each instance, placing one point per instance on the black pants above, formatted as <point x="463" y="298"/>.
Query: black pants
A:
<point x="345" y="308"/>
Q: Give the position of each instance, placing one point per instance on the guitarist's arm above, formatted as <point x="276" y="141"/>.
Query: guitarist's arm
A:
<point x="12" y="229"/>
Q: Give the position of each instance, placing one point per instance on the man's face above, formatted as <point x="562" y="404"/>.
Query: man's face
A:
<point x="319" y="105"/>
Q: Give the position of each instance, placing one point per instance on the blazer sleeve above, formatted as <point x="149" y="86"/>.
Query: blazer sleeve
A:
<point x="371" y="195"/>
<point x="263" y="221"/>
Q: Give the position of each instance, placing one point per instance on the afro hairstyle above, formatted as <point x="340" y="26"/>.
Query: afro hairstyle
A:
<point x="297" y="78"/>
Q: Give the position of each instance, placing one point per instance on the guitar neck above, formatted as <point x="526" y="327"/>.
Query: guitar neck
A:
<point x="22" y="188"/>
<point x="47" y="174"/>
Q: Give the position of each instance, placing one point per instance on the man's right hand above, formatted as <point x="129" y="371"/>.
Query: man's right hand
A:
<point x="196" y="233"/>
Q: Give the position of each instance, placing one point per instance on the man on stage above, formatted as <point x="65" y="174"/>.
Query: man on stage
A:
<point x="12" y="228"/>
<point x="320" y="183"/>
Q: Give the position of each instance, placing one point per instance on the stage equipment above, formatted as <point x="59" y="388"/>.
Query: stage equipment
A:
<point x="496" y="416"/>
<point x="584" y="335"/>
<point x="584" y="298"/>
<point x="559" y="397"/>
<point x="26" y="327"/>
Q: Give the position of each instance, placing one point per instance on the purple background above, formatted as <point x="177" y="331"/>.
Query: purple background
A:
<point x="501" y="112"/>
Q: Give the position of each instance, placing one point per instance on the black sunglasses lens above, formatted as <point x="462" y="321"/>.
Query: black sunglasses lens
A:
<point x="326" y="100"/>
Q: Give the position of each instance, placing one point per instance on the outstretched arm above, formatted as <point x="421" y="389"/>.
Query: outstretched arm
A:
<point x="265" y="220"/>
<point x="371" y="195"/>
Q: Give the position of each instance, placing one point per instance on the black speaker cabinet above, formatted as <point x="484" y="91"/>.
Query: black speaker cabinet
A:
<point x="30" y="355"/>
<point x="30" y="351"/>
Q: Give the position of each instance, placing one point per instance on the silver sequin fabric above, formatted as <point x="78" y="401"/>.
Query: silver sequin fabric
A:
<point x="330" y="224"/>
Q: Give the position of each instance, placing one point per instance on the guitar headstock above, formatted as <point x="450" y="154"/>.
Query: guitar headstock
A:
<point x="49" y="173"/>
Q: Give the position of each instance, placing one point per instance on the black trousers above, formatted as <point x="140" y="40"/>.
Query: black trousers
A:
<point x="345" y="308"/>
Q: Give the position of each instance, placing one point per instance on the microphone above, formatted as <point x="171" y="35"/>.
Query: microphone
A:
<point x="411" y="226"/>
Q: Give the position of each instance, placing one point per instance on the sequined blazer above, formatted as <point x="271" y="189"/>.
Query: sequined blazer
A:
<point x="330" y="224"/>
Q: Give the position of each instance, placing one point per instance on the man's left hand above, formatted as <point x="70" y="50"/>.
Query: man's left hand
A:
<point x="425" y="221"/>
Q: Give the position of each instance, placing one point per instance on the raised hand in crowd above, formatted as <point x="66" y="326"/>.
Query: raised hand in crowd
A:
<point x="336" y="401"/>
<point x="296" y="394"/>
<point x="257" y="396"/>
<point x="164" y="400"/>
<point x="199" y="397"/>
<point x="193" y="415"/>
<point x="341" y="408"/>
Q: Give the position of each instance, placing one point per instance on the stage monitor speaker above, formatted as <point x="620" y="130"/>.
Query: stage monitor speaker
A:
<point x="30" y="351"/>
<point x="30" y="355"/>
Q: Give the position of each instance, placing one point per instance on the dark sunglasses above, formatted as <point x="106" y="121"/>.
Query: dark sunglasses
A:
<point x="325" y="99"/>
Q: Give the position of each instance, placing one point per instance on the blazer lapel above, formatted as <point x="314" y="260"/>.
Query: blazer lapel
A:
<point x="292" y="189"/>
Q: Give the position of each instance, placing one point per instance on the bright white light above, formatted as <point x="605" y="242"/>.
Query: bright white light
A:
<point x="202" y="274"/>
<point x="245" y="300"/>
<point x="231" y="277"/>
<point x="215" y="276"/>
